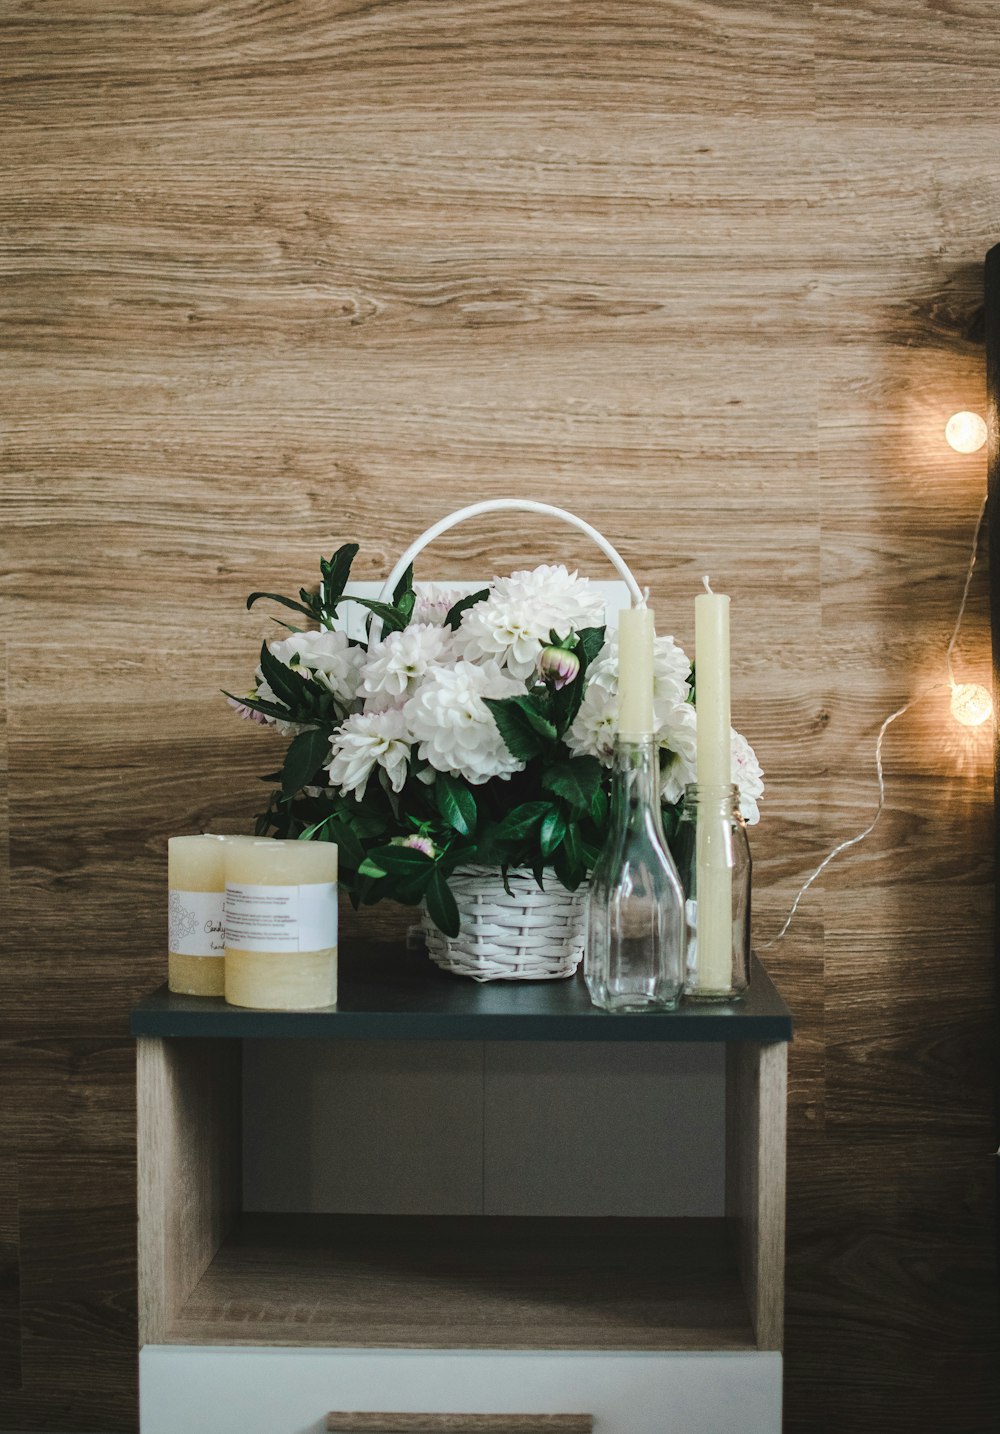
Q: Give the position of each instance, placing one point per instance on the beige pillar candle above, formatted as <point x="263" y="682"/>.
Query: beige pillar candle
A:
<point x="635" y="673"/>
<point x="196" y="881"/>
<point x="281" y="925"/>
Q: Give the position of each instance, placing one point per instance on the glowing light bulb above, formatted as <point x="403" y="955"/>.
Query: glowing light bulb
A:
<point x="970" y="703"/>
<point x="966" y="432"/>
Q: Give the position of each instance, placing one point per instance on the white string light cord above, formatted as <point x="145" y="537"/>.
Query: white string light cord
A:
<point x="893" y="716"/>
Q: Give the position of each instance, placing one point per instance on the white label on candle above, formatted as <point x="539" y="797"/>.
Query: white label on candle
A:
<point x="196" y="923"/>
<point x="281" y="918"/>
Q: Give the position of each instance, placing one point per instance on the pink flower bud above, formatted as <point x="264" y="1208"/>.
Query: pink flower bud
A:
<point x="558" y="666"/>
<point x="418" y="843"/>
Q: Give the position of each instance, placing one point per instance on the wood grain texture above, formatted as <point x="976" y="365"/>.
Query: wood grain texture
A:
<point x="279" y="276"/>
<point x="10" y="1279"/>
<point x="470" y="1282"/>
<point x="189" y="1140"/>
<point x="756" y="1100"/>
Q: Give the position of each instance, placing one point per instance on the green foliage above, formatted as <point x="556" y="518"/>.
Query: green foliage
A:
<point x="454" y="616"/>
<point x="456" y="804"/>
<point x="549" y="817"/>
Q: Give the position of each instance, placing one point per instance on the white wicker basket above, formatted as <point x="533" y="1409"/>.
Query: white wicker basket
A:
<point x="533" y="935"/>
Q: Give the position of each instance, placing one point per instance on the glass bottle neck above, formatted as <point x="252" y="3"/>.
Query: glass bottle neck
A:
<point x="635" y="789"/>
<point x="722" y="800"/>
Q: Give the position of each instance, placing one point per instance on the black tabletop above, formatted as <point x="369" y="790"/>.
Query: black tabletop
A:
<point x="386" y="992"/>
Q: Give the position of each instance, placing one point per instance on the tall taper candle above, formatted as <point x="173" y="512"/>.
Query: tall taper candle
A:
<point x="635" y="672"/>
<point x="711" y="657"/>
<point x="714" y="879"/>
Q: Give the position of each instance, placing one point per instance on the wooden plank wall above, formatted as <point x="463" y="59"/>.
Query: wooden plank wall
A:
<point x="277" y="276"/>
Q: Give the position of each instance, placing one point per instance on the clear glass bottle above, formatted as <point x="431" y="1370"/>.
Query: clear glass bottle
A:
<point x="714" y="863"/>
<point x="635" y="944"/>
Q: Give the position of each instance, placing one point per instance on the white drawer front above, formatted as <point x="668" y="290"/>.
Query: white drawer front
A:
<point x="215" y="1390"/>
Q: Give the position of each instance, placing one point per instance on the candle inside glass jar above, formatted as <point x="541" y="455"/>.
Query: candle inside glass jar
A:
<point x="281" y="925"/>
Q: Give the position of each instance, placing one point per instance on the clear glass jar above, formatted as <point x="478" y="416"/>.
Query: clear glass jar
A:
<point x="635" y="941"/>
<point x="715" y="868"/>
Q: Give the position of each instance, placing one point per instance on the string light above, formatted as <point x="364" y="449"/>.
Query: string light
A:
<point x="966" y="432"/>
<point x="971" y="704"/>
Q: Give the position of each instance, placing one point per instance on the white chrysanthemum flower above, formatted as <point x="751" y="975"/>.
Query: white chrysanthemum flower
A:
<point x="671" y="673"/>
<point x="748" y="776"/>
<point x="365" y="741"/>
<point x="325" y="656"/>
<point x="513" y="624"/>
<point x="570" y="599"/>
<point x="677" y="735"/>
<point x="394" y="666"/>
<point x="434" y="606"/>
<point x="453" y="726"/>
<point x="595" y="726"/>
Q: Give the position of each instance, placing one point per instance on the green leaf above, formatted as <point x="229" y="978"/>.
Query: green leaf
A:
<point x="400" y="860"/>
<point x="392" y="620"/>
<point x="531" y="711"/>
<point x="591" y="641"/>
<point x="441" y="905"/>
<point x="520" y="737"/>
<point x="336" y="573"/>
<point x="367" y="823"/>
<point x="257" y="704"/>
<point x="575" y="780"/>
<point x="456" y="803"/>
<point x="568" y="861"/>
<point x="404" y="589"/>
<point x="306" y="753"/>
<point x="286" y="685"/>
<point x="311" y="833"/>
<point x="371" y="868"/>
<point x="520" y="823"/>
<point x="552" y="831"/>
<point x="454" y="616"/>
<point x="599" y="808"/>
<point x="348" y="845"/>
<point x="286" y="602"/>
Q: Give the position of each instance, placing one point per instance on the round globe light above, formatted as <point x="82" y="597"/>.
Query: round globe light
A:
<point x="966" y="432"/>
<point x="970" y="704"/>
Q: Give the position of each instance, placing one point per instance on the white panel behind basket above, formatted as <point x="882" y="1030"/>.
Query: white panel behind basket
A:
<point x="353" y="617"/>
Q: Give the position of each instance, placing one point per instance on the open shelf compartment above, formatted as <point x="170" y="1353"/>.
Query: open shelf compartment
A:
<point x="211" y="1274"/>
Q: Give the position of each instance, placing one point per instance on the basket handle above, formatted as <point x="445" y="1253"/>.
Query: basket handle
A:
<point x="501" y="505"/>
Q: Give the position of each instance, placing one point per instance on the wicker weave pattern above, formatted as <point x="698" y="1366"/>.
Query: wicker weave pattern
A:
<point x="533" y="936"/>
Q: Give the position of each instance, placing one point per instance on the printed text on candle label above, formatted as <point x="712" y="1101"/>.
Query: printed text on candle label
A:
<point x="281" y="918"/>
<point x="196" y="923"/>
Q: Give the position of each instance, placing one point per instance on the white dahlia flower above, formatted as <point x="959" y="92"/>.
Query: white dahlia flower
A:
<point x="394" y="666"/>
<point x="365" y="741"/>
<point x="570" y="599"/>
<point x="434" y="604"/>
<point x="453" y="726"/>
<point x="595" y="726"/>
<point x="325" y="656"/>
<point x="748" y="776"/>
<point x="513" y="624"/>
<point x="677" y="736"/>
<point x="671" y="673"/>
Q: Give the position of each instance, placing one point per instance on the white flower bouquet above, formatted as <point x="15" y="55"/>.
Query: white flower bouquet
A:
<point x="471" y="731"/>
